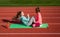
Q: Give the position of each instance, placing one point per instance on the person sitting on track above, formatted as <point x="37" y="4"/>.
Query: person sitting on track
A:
<point x="38" y="18"/>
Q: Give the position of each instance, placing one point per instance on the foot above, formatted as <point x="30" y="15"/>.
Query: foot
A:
<point x="40" y="25"/>
<point x="33" y="25"/>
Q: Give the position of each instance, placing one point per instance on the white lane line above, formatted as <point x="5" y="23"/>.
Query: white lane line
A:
<point x="54" y="23"/>
<point x="26" y="33"/>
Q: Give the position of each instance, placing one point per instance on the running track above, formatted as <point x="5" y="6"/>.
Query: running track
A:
<point x="50" y="15"/>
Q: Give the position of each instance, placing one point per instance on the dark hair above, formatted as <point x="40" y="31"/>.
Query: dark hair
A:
<point x="37" y="9"/>
<point x="18" y="14"/>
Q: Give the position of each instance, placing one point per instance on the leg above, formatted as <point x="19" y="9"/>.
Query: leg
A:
<point x="11" y="21"/>
<point x="31" y="21"/>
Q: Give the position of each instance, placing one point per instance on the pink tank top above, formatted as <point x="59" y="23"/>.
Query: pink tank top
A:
<point x="38" y="20"/>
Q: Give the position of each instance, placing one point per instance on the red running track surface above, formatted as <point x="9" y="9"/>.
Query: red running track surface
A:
<point x="50" y="15"/>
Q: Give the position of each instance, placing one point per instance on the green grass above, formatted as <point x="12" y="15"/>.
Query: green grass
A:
<point x="29" y="2"/>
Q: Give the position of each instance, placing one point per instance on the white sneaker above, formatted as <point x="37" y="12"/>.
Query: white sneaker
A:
<point x="40" y="25"/>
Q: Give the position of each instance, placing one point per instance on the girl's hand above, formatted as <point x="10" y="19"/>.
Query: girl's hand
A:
<point x="27" y="15"/>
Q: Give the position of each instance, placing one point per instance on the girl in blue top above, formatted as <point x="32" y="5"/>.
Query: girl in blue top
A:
<point x="20" y="18"/>
<point x="25" y="20"/>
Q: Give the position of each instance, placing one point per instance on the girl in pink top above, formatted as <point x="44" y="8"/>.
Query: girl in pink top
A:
<point x="38" y="18"/>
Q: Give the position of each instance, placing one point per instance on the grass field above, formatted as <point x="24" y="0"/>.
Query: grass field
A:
<point x="29" y="2"/>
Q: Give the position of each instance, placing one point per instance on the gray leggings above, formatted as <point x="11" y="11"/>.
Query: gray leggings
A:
<point x="31" y="21"/>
